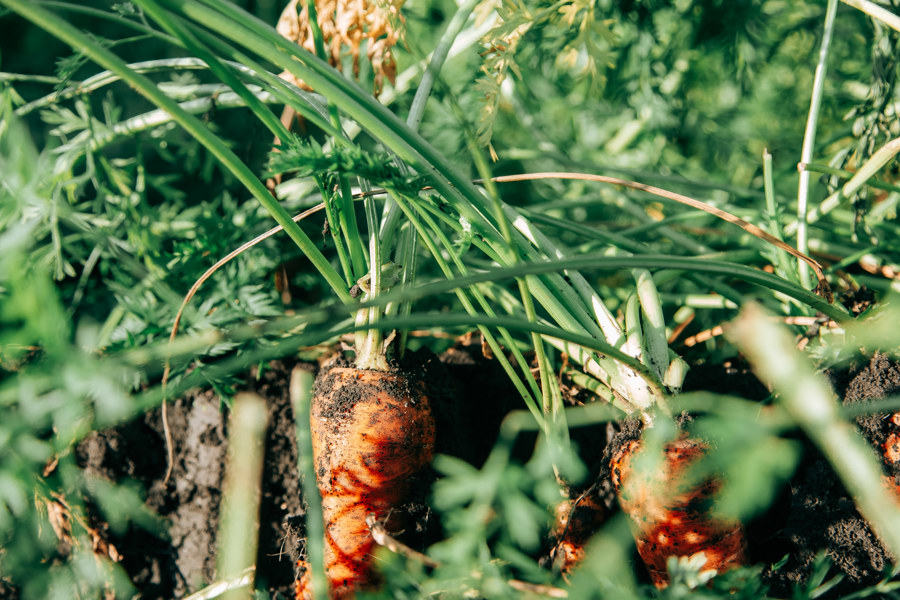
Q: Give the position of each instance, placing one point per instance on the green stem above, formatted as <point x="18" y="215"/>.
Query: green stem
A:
<point x="347" y="212"/>
<point x="334" y="230"/>
<point x="391" y="221"/>
<point x="551" y="400"/>
<point x="370" y="353"/>
<point x="809" y="140"/>
<point x="428" y="232"/>
<point x="783" y="263"/>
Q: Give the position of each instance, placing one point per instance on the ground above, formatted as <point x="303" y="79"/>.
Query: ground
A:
<point x="812" y="515"/>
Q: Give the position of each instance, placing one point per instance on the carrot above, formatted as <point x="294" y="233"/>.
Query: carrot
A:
<point x="372" y="433"/>
<point x="671" y="517"/>
<point x="576" y="520"/>
<point x="890" y="451"/>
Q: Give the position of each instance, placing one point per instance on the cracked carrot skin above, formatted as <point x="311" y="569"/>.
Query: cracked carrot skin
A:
<point x="372" y="433"/>
<point x="671" y="520"/>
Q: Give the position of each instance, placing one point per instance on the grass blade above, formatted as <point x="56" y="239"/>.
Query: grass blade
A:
<point x="809" y="138"/>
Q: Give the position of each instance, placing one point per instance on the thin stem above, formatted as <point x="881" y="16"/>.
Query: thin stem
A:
<point x="427" y="226"/>
<point x="346" y="213"/>
<point x="51" y="80"/>
<point x="785" y="267"/>
<point x="809" y="139"/>
<point x="551" y="399"/>
<point x="369" y="351"/>
<point x="242" y="489"/>
<point x="334" y="228"/>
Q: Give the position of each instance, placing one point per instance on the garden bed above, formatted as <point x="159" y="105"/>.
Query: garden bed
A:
<point x="633" y="212"/>
<point x="812" y="515"/>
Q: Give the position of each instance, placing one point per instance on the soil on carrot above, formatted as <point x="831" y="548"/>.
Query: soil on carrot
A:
<point x="814" y="514"/>
<point x="373" y="440"/>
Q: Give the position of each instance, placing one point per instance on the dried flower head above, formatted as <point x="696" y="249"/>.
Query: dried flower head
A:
<point x="345" y="24"/>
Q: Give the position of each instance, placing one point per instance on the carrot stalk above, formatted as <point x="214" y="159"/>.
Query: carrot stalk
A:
<point x="672" y="515"/>
<point x="373" y="432"/>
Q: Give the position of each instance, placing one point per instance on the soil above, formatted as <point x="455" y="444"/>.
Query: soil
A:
<point x="814" y="514"/>
<point x="821" y="516"/>
<point x="189" y="500"/>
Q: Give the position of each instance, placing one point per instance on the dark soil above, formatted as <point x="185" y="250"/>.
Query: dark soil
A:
<point x="815" y="515"/>
<point x="822" y="517"/>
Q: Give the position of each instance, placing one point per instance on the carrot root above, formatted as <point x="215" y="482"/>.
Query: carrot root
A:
<point x="576" y="520"/>
<point x="372" y="433"/>
<point x="670" y="520"/>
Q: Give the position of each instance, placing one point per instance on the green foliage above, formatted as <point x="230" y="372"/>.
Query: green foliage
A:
<point x="53" y="390"/>
<point x="305" y="158"/>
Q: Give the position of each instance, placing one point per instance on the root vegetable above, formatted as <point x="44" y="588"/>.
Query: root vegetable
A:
<point x="672" y="517"/>
<point x="373" y="432"/>
<point x="576" y="521"/>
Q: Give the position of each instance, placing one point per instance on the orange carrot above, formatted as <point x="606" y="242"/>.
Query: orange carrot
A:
<point x="890" y="450"/>
<point x="372" y="433"/>
<point x="576" y="521"/>
<point x="670" y="518"/>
